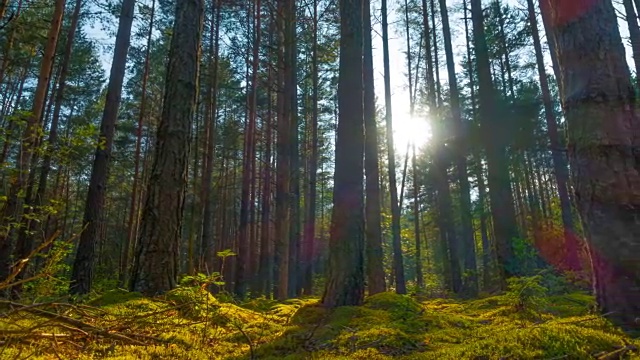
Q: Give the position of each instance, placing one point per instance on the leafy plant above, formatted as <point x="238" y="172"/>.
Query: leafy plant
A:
<point x="201" y="280"/>
<point x="526" y="293"/>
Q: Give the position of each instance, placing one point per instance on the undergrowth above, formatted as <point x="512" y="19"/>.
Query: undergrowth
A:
<point x="190" y="323"/>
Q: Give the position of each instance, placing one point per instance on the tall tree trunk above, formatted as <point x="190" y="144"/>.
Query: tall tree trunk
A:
<point x="247" y="167"/>
<point x="265" y="273"/>
<point x="505" y="50"/>
<point x="416" y="222"/>
<point x="193" y="211"/>
<point x="82" y="272"/>
<point x="345" y="279"/>
<point x="500" y="195"/>
<point x="12" y="209"/>
<point x="156" y="263"/>
<point x="467" y="241"/>
<point x="560" y="168"/>
<point x="604" y="129"/>
<point x="283" y="154"/>
<point x="398" y="263"/>
<point x="436" y="59"/>
<point x="374" y="261"/>
<point x="207" y="249"/>
<point x="448" y="237"/>
<point x="291" y="80"/>
<point x="532" y="199"/>
<point x="266" y="258"/>
<point x="28" y="240"/>
<point x="311" y="201"/>
<point x="132" y="224"/>
<point x="431" y="90"/>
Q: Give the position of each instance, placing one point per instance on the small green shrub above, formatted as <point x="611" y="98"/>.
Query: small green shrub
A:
<point x="526" y="293"/>
<point x="193" y="302"/>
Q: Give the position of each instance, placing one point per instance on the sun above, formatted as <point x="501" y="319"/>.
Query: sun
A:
<point x="409" y="130"/>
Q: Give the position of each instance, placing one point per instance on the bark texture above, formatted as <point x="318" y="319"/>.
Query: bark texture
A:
<point x="604" y="135"/>
<point x="82" y="273"/>
<point x="375" y="269"/>
<point x="156" y="263"/>
<point x="345" y="280"/>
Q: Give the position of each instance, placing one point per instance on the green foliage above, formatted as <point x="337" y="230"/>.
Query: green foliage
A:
<point x="51" y="279"/>
<point x="526" y="293"/>
<point x="201" y="280"/>
<point x="525" y="256"/>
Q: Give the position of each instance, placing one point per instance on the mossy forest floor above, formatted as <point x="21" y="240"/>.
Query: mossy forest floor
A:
<point x="189" y="323"/>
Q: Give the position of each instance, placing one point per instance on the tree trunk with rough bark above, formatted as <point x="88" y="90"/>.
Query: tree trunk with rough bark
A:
<point x="604" y="133"/>
<point x="207" y="248"/>
<point x="82" y="273"/>
<point x="398" y="262"/>
<point x="156" y="262"/>
<point x="242" y="272"/>
<point x="283" y="158"/>
<point x="132" y="224"/>
<point x="291" y="80"/>
<point x="311" y="203"/>
<point x="375" y="268"/>
<point x="345" y="279"/>
<point x="467" y="241"/>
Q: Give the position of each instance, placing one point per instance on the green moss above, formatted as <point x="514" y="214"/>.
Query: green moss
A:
<point x="190" y="323"/>
<point x="399" y="304"/>
<point x="549" y="340"/>
<point x="309" y="314"/>
<point x="113" y="297"/>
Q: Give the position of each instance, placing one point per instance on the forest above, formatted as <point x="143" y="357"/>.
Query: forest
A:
<point x="319" y="179"/>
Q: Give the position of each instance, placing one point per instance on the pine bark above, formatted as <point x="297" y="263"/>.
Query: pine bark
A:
<point x="398" y="262"/>
<point x="416" y="221"/>
<point x="265" y="268"/>
<point x="345" y="279"/>
<point x="467" y="241"/>
<point x="604" y="128"/>
<point x="207" y="249"/>
<point x="291" y="81"/>
<point x="132" y="223"/>
<point x="374" y="261"/>
<point x="283" y="154"/>
<point x="242" y="272"/>
<point x="156" y="263"/>
<point x="82" y="273"/>
<point x="311" y="202"/>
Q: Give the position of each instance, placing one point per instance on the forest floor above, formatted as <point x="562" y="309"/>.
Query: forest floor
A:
<point x="189" y="323"/>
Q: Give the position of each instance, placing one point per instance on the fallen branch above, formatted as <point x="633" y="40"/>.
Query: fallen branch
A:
<point x="87" y="328"/>
<point x="617" y="354"/>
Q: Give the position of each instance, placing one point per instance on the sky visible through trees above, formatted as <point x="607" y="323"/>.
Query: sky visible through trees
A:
<point x="408" y="129"/>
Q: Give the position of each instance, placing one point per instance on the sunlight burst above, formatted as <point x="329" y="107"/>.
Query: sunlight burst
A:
<point x="409" y="130"/>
